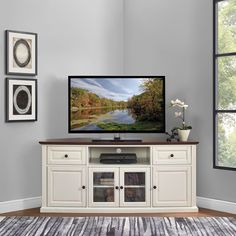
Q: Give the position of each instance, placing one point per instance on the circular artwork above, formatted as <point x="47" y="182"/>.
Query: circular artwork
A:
<point x="22" y="100"/>
<point x="22" y="53"/>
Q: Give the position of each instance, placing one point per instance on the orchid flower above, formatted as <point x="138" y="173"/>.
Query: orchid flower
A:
<point x="178" y="114"/>
<point x="179" y="104"/>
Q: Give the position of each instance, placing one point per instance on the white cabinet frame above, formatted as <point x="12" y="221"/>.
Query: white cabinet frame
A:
<point x="160" y="167"/>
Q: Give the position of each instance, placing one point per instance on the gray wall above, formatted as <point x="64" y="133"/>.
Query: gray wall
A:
<point x="172" y="38"/>
<point x="75" y="37"/>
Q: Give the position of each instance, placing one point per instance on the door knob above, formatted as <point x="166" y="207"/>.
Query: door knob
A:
<point x="121" y="187"/>
<point x="83" y="187"/>
<point x="155" y="187"/>
<point x="117" y="187"/>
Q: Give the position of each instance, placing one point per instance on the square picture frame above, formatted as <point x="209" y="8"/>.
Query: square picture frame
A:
<point x="21" y="53"/>
<point x="21" y="99"/>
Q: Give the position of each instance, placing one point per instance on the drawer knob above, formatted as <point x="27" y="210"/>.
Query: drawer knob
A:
<point x="155" y="187"/>
<point x="83" y="187"/>
<point x="171" y="155"/>
<point x="66" y="156"/>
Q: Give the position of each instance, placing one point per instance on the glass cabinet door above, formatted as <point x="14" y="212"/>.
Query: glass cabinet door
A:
<point x="104" y="190"/>
<point x="134" y="184"/>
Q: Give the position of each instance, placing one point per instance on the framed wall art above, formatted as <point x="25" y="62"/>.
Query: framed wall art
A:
<point x="21" y="100"/>
<point x="21" y="53"/>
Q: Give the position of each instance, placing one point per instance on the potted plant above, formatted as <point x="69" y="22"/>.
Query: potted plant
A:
<point x="183" y="130"/>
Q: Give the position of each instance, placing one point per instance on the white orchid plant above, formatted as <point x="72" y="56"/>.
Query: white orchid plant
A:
<point x="181" y="115"/>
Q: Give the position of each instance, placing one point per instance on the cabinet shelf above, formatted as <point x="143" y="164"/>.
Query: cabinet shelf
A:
<point x="103" y="186"/>
<point x="134" y="186"/>
<point x="112" y="186"/>
<point x="143" y="154"/>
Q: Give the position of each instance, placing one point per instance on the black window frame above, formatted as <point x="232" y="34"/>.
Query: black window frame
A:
<point x="216" y="55"/>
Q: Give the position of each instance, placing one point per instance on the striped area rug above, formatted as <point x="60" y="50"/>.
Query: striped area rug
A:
<point x="143" y="226"/>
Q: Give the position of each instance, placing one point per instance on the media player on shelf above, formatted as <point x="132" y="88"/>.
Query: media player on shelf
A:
<point x="118" y="158"/>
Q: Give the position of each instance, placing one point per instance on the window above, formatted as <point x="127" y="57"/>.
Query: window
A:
<point x="224" y="60"/>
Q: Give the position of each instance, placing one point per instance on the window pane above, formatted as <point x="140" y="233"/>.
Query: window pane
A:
<point x="227" y="26"/>
<point x="226" y="83"/>
<point x="226" y="140"/>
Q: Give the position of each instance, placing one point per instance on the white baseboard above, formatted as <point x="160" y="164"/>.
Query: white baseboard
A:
<point x="20" y="204"/>
<point x="27" y="203"/>
<point x="217" y="205"/>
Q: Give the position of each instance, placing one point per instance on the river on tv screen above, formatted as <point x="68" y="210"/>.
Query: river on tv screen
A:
<point x="117" y="104"/>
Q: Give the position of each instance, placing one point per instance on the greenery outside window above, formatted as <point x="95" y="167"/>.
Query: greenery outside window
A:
<point x="224" y="60"/>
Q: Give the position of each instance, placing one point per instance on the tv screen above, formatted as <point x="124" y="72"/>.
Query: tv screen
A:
<point x="116" y="104"/>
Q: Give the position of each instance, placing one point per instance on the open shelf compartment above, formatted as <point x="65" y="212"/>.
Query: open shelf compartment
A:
<point x="143" y="154"/>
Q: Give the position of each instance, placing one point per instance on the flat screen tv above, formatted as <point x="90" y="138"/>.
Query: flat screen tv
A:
<point x="116" y="104"/>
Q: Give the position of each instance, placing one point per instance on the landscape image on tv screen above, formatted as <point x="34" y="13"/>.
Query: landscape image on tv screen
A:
<point x="102" y="104"/>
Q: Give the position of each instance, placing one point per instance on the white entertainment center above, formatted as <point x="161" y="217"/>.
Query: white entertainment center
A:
<point x="162" y="180"/>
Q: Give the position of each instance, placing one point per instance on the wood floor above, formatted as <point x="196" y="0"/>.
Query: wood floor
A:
<point x="202" y="213"/>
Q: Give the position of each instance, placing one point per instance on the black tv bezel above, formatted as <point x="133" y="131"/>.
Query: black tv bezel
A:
<point x="112" y="131"/>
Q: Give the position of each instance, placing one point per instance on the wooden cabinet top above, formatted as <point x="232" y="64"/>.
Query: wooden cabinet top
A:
<point x="88" y="141"/>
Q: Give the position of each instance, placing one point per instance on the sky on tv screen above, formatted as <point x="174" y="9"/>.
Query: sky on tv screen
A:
<point x="118" y="89"/>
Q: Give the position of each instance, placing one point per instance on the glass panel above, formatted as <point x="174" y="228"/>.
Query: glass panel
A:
<point x="226" y="26"/>
<point x="226" y="140"/>
<point x="135" y="178"/>
<point x="103" y="178"/>
<point x="103" y="194"/>
<point x="135" y="194"/>
<point x="103" y="186"/>
<point x="226" y="83"/>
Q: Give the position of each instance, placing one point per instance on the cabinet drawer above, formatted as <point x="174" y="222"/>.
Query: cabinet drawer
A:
<point x="172" y="155"/>
<point x="66" y="155"/>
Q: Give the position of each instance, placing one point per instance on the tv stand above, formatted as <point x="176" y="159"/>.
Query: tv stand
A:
<point x="117" y="140"/>
<point x="163" y="178"/>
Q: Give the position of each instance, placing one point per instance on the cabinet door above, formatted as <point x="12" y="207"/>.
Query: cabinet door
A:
<point x="103" y="187"/>
<point x="135" y="187"/>
<point x="171" y="186"/>
<point x="66" y="186"/>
